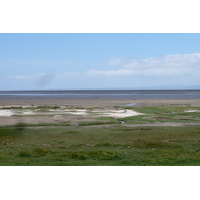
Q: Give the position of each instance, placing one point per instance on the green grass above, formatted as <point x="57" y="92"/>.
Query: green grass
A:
<point x="100" y="121"/>
<point x="105" y="146"/>
<point x="164" y="114"/>
<point x="59" y="144"/>
<point x="106" y="118"/>
<point x="75" y="107"/>
<point x="163" y="109"/>
<point x="23" y="125"/>
<point x="12" y="107"/>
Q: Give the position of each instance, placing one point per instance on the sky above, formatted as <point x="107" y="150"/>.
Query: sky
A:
<point x="34" y="61"/>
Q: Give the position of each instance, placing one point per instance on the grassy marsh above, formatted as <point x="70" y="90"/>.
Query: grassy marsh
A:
<point x="156" y="114"/>
<point x="105" y="146"/>
<point x="61" y="144"/>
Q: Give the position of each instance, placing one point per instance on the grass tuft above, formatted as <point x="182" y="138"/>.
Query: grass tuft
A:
<point x="94" y="155"/>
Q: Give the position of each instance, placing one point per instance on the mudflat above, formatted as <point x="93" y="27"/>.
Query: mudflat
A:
<point x="101" y="102"/>
<point x="37" y="111"/>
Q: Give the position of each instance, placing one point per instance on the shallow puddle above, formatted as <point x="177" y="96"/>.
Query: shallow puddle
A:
<point x="131" y="104"/>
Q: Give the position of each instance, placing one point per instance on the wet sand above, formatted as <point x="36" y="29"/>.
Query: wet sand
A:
<point x="61" y="102"/>
<point x="168" y="102"/>
<point x="101" y="102"/>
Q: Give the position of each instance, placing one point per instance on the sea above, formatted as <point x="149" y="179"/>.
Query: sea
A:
<point x="100" y="94"/>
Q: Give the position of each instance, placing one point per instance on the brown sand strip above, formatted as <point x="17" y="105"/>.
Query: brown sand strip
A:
<point x="101" y="102"/>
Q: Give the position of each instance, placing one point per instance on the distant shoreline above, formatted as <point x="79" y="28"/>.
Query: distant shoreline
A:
<point x="100" y="94"/>
<point x="93" y="90"/>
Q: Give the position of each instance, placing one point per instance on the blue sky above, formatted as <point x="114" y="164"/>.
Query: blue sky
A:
<point x="98" y="60"/>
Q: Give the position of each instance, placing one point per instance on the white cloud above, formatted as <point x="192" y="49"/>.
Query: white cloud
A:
<point x="115" y="61"/>
<point x="177" y="69"/>
<point x="119" y="72"/>
<point x="69" y="74"/>
<point x="169" y="65"/>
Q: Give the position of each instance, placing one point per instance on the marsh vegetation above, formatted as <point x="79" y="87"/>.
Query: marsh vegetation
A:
<point x="108" y="146"/>
<point x="90" y="143"/>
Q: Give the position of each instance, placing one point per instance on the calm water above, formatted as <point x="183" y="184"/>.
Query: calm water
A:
<point x="101" y="94"/>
